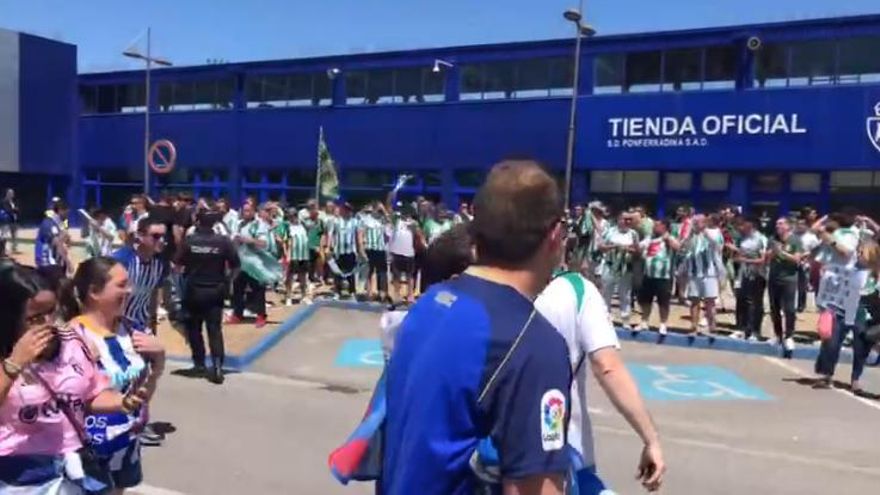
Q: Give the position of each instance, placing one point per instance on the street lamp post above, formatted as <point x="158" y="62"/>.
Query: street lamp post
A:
<point x="149" y="60"/>
<point x="581" y="30"/>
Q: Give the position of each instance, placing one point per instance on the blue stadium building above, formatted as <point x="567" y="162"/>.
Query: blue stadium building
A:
<point x="770" y="116"/>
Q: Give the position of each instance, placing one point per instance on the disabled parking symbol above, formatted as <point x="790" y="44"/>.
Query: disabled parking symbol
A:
<point x="660" y="382"/>
<point x="360" y="353"/>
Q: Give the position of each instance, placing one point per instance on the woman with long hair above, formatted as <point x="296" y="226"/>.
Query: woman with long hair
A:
<point x="94" y="301"/>
<point x="48" y="384"/>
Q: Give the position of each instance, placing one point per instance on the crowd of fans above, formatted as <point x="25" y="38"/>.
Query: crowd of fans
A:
<point x="175" y="257"/>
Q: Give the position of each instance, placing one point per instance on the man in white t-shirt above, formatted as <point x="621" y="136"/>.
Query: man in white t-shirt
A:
<point x="575" y="308"/>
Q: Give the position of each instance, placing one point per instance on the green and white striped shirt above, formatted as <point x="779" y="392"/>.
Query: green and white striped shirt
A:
<point x="344" y="235"/>
<point x="618" y="261"/>
<point x="374" y="233"/>
<point x="658" y="258"/>
<point x="434" y="229"/>
<point x="298" y="242"/>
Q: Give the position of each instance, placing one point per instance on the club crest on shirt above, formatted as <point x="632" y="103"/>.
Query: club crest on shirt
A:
<point x="552" y="420"/>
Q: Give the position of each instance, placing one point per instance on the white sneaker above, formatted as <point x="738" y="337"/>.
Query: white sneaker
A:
<point x="306" y="301"/>
<point x="288" y="302"/>
<point x="752" y="338"/>
<point x="249" y="314"/>
<point x="773" y="341"/>
<point x="738" y="335"/>
<point x="788" y="344"/>
<point x="662" y="329"/>
<point x="641" y="327"/>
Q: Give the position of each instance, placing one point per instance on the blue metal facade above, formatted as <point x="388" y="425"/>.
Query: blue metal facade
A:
<point x="271" y="152"/>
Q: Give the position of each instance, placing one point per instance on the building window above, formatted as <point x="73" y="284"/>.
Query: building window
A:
<point x="529" y="78"/>
<point x="856" y="181"/>
<point x="806" y="183"/>
<point x="469" y="178"/>
<point x="683" y="70"/>
<point x="641" y="181"/>
<point x="679" y="181"/>
<point x="767" y="183"/>
<point x="112" y="98"/>
<point x="606" y="181"/>
<point x="196" y="95"/>
<point x="858" y="62"/>
<point x="771" y="66"/>
<point x="408" y="85"/>
<point x="367" y="178"/>
<point x="609" y="70"/>
<point x="819" y="62"/>
<point x="721" y="65"/>
<point x="288" y="90"/>
<point x="643" y="72"/>
<point x="714" y="181"/>
<point x="812" y="63"/>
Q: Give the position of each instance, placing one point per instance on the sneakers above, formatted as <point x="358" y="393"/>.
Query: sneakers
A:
<point x="288" y="302"/>
<point x="249" y="314"/>
<point x="261" y="321"/>
<point x="773" y="341"/>
<point x="788" y="344"/>
<point x="662" y="330"/>
<point x="233" y="320"/>
<point x="150" y="437"/>
<point x="305" y="301"/>
<point x="752" y="338"/>
<point x="641" y="326"/>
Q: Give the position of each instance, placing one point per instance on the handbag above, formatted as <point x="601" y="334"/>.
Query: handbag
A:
<point x="825" y="326"/>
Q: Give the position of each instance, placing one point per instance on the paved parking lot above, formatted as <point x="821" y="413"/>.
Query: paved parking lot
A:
<point x="731" y="423"/>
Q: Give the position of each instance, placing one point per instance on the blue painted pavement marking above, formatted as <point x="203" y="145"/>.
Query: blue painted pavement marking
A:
<point x="660" y="382"/>
<point x="359" y="353"/>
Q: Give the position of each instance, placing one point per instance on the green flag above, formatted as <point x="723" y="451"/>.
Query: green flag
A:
<point x="328" y="181"/>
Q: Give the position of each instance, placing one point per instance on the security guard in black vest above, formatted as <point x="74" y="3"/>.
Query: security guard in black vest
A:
<point x="206" y="258"/>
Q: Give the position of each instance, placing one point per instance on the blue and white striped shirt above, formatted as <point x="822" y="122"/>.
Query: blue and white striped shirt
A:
<point x="145" y="277"/>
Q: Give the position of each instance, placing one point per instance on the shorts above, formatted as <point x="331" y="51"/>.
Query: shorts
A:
<point x="123" y="467"/>
<point x="702" y="288"/>
<point x="659" y="288"/>
<point x="402" y="267"/>
<point x="297" y="267"/>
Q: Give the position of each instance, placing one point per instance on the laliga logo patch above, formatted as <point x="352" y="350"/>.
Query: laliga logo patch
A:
<point x="552" y="420"/>
<point x="873" y="127"/>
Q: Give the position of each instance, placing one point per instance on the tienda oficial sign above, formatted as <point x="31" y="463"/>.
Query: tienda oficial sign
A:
<point x="688" y="131"/>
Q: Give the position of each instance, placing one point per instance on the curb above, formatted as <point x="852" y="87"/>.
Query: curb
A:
<point x="721" y="344"/>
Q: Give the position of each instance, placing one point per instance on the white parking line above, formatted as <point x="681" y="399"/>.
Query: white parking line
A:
<point x="794" y="369"/>
<point x="815" y="461"/>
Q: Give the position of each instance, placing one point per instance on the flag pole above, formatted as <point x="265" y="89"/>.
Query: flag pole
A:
<point x="318" y="167"/>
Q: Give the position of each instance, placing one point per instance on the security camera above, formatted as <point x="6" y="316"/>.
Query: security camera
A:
<point x="754" y="43"/>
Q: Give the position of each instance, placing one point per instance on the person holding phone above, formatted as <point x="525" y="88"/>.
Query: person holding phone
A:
<point x="132" y="360"/>
<point x="48" y="384"/>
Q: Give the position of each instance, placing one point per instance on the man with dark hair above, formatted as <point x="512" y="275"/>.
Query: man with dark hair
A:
<point x="511" y="379"/>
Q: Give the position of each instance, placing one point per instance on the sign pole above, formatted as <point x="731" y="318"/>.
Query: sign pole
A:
<point x="147" y="120"/>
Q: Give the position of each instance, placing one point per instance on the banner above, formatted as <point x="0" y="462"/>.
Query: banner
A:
<point x="328" y="181"/>
<point x="839" y="288"/>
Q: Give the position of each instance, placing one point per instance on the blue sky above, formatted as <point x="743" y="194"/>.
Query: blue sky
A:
<point x="191" y="31"/>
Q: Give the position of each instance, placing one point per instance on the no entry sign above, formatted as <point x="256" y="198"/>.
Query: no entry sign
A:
<point x="162" y="156"/>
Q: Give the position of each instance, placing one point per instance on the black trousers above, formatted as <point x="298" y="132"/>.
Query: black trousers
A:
<point x="204" y="305"/>
<point x="750" y="305"/>
<point x="802" y="284"/>
<point x="346" y="264"/>
<point x="258" y="295"/>
<point x="379" y="265"/>
<point x="782" y="294"/>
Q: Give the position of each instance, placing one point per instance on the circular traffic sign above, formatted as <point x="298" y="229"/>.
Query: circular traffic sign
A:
<point x="162" y="156"/>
